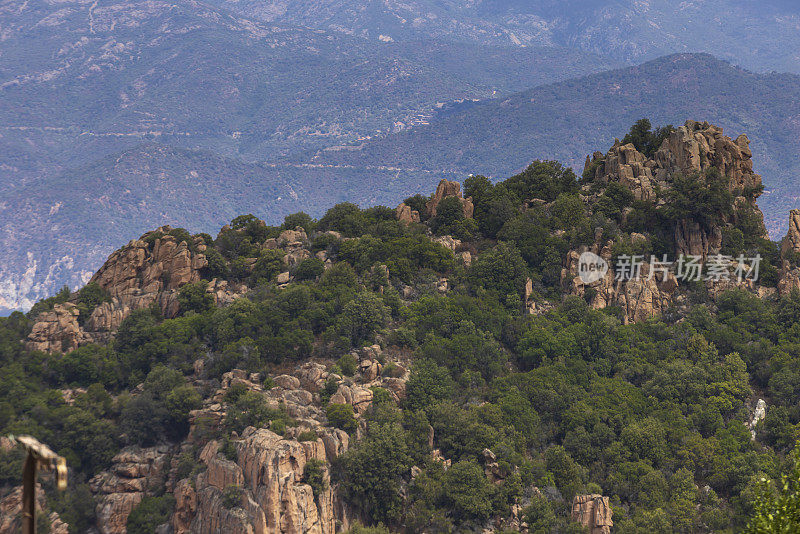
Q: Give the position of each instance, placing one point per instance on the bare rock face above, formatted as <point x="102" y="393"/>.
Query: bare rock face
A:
<point x="593" y="512"/>
<point x="448" y="242"/>
<point x="693" y="147"/>
<point x="639" y="299"/>
<point x="269" y="471"/>
<point x="692" y="239"/>
<point x="57" y="330"/>
<point x="790" y="247"/>
<point x="119" y="489"/>
<point x="145" y="271"/>
<point x="268" y="468"/>
<point x="445" y="189"/>
<point x="11" y="513"/>
<point x="406" y="215"/>
<point x="791" y="243"/>
<point x="626" y="165"/>
<point x="696" y="146"/>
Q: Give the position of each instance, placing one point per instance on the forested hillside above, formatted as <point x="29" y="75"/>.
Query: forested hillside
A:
<point x="441" y="366"/>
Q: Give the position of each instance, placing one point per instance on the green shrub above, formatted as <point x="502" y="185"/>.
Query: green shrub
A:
<point x="194" y="297"/>
<point x="329" y="389"/>
<point x="307" y="435"/>
<point x="341" y="416"/>
<point x="232" y="497"/>
<point x="89" y="298"/>
<point x="348" y="364"/>
<point x="314" y="476"/>
<point x="149" y="513"/>
<point x="309" y="269"/>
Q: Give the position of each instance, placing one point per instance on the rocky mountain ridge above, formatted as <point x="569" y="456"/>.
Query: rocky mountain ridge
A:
<point x="692" y="148"/>
<point x="223" y="335"/>
<point x="628" y="31"/>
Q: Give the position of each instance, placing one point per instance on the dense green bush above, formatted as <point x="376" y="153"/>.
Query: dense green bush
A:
<point x="314" y="476"/>
<point x="149" y="513"/>
<point x="341" y="416"/>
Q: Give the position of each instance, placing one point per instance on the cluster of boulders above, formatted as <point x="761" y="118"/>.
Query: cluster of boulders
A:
<point x="268" y="468"/>
<point x="693" y="147"/>
<point x="146" y="271"/>
<point x="639" y="298"/>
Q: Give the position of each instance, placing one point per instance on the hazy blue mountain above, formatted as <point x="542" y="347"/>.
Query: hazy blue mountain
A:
<point x="57" y="231"/>
<point x="568" y="120"/>
<point x="760" y="35"/>
<point x="82" y="83"/>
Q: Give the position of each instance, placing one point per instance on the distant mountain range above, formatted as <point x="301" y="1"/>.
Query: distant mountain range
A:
<point x="568" y="120"/>
<point x="84" y="84"/>
<point x="761" y="35"/>
<point x="117" y="116"/>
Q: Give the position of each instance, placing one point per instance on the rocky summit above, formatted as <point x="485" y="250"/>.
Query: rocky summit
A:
<point x="692" y="148"/>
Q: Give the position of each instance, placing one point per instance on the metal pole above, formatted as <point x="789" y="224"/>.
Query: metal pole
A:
<point x="29" y="495"/>
<point x="39" y="456"/>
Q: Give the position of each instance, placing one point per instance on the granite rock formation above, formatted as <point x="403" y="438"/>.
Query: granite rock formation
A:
<point x="593" y="512"/>
<point x="446" y="189"/>
<point x="790" y="248"/>
<point x="147" y="271"/>
<point x="694" y="147"/>
<point x="134" y="473"/>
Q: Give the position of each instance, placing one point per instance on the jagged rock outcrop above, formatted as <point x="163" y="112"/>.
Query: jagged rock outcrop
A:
<point x="269" y="471"/>
<point x="134" y="472"/>
<point x="593" y="512"/>
<point x="269" y="467"/>
<point x="146" y="271"/>
<point x="639" y="298"/>
<point x="446" y="189"/>
<point x="406" y="215"/>
<point x="790" y="247"/>
<point x="58" y="330"/>
<point x="693" y="147"/>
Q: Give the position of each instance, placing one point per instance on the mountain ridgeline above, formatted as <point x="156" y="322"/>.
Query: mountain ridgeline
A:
<point x="567" y="120"/>
<point x="441" y="366"/>
<point x="102" y="103"/>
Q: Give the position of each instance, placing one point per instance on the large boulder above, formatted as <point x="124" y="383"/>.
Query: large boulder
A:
<point x="446" y="189"/>
<point x="274" y="499"/>
<point x="593" y="512"/>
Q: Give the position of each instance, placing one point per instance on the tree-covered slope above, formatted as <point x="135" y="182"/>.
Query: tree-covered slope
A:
<point x="386" y="372"/>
